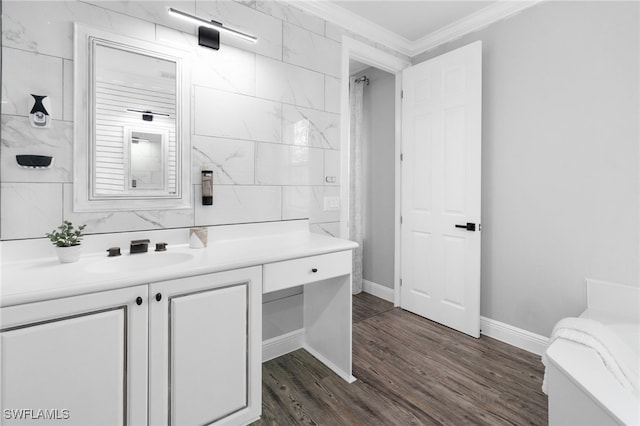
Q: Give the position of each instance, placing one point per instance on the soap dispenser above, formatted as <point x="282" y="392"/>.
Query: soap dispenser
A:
<point x="40" y="116"/>
<point x="207" y="188"/>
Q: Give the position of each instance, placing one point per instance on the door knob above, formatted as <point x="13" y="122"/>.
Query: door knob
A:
<point x="139" y="300"/>
<point x="158" y="297"/>
<point x="469" y="226"/>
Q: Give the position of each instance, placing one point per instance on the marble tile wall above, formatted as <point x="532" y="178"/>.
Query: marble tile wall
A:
<point x="265" y="116"/>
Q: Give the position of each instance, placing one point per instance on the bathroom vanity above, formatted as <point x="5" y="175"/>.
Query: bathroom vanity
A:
<point x="165" y="338"/>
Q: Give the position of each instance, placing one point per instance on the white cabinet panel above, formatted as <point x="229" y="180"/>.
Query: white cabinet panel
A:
<point x="205" y="349"/>
<point x="208" y="343"/>
<point x="68" y="360"/>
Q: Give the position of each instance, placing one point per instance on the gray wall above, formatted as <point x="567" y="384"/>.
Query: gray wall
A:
<point x="560" y="159"/>
<point x="378" y="161"/>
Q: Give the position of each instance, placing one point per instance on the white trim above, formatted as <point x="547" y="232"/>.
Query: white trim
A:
<point x="347" y="377"/>
<point x="483" y="18"/>
<point x="357" y="67"/>
<point x="354" y="23"/>
<point x="378" y="290"/>
<point x="283" y="344"/>
<point x="369" y="55"/>
<point x="398" y="191"/>
<point x="514" y="336"/>
<point x="376" y="33"/>
<point x="292" y="341"/>
<point x="352" y="49"/>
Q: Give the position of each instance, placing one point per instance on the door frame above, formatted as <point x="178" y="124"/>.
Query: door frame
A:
<point x="353" y="49"/>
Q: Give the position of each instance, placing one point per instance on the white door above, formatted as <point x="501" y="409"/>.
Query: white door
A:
<point x="441" y="171"/>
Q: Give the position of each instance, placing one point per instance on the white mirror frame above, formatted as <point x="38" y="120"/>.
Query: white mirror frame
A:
<point x="84" y="132"/>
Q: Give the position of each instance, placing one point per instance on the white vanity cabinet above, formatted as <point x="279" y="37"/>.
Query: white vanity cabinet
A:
<point x="205" y="346"/>
<point x="179" y="352"/>
<point x="77" y="360"/>
<point x="326" y="281"/>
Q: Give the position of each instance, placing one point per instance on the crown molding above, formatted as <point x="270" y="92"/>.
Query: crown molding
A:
<point x="354" y="23"/>
<point x="375" y="33"/>
<point x="498" y="11"/>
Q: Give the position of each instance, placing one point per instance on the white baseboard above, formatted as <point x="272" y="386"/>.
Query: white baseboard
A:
<point x="514" y="336"/>
<point x="378" y="290"/>
<point x="283" y="344"/>
<point x="506" y="333"/>
<point x="292" y="341"/>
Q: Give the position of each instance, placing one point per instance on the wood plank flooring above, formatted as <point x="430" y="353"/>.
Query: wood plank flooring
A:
<point x="410" y="371"/>
<point x="366" y="305"/>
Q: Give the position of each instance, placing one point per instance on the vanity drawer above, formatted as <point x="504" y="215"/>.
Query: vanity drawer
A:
<point x="291" y="273"/>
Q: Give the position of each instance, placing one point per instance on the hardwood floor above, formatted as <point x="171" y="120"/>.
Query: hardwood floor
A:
<point x="410" y="371"/>
<point x="366" y="305"/>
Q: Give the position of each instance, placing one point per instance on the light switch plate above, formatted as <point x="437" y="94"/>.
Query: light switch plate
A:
<point x="331" y="203"/>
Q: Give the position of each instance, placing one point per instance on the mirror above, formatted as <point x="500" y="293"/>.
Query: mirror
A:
<point x="131" y="146"/>
<point x="148" y="162"/>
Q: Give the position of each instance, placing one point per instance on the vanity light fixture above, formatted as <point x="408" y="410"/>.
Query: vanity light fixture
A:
<point x="209" y="31"/>
<point x="147" y="115"/>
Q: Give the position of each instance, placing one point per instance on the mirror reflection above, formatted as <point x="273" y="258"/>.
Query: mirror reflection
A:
<point x="146" y="161"/>
<point x="134" y="150"/>
<point x="131" y="124"/>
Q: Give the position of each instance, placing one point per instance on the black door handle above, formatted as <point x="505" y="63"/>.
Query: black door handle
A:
<point x="469" y="226"/>
<point x="139" y="300"/>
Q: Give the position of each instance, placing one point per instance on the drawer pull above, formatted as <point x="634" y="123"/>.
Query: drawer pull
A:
<point x="314" y="270"/>
<point x="139" y="300"/>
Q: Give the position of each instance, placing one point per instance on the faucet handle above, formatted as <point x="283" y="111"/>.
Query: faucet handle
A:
<point x="161" y="246"/>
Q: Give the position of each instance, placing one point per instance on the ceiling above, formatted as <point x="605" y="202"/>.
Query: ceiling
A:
<point x="412" y="19"/>
<point x="411" y="27"/>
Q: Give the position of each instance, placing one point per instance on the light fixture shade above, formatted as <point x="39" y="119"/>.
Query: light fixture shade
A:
<point x="212" y="24"/>
<point x="208" y="37"/>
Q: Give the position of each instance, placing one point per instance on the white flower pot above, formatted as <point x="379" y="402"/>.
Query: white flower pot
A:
<point x="69" y="254"/>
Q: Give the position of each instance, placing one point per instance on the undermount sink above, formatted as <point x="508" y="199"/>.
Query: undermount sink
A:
<point x="137" y="262"/>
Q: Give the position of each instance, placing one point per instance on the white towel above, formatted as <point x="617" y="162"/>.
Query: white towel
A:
<point x="617" y="357"/>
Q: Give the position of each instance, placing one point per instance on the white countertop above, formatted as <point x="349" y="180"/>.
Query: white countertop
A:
<point x="45" y="278"/>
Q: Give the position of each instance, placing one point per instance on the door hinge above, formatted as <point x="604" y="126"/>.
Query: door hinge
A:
<point x="401" y="157"/>
<point x="400" y="282"/>
<point x="400" y="220"/>
<point x="402" y="94"/>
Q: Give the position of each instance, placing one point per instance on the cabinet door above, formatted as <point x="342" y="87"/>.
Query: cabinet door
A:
<point x="205" y="349"/>
<point x="79" y="360"/>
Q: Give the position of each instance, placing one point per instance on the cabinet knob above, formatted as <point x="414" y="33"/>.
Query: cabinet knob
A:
<point x="139" y="300"/>
<point x="314" y="270"/>
<point x="158" y="297"/>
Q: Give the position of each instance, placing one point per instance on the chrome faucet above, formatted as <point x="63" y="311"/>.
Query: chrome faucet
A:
<point x="139" y="246"/>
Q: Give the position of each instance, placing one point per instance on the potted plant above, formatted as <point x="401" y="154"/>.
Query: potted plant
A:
<point x="67" y="241"/>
